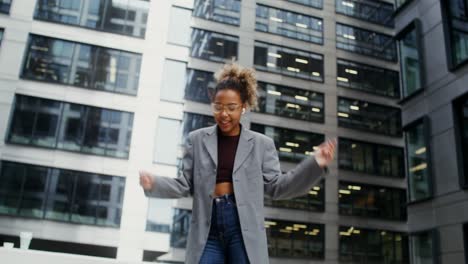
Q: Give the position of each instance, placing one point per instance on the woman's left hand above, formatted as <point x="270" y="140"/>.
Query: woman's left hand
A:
<point x="325" y="152"/>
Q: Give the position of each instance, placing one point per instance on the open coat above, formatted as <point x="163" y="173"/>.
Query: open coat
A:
<point x="256" y="173"/>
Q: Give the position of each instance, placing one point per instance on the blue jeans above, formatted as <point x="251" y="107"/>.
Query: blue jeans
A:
<point x="225" y="244"/>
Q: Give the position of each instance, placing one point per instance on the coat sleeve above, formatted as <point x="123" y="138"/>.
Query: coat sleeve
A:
<point x="165" y="187"/>
<point x="294" y="183"/>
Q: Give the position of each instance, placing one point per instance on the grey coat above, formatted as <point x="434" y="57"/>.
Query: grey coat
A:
<point x="256" y="173"/>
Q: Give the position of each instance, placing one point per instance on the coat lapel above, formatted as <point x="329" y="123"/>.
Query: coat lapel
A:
<point x="210" y="141"/>
<point x="243" y="148"/>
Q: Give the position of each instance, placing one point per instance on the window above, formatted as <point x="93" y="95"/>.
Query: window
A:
<point x="1" y="35"/>
<point x="410" y="59"/>
<point x="314" y="201"/>
<point x="180" y="227"/>
<point x="198" y="85"/>
<point x="295" y="239"/>
<point x="73" y="127"/>
<point x="465" y="238"/>
<point x="424" y="247"/>
<point x="167" y="142"/>
<point x="455" y="13"/>
<point x="223" y="11"/>
<point x="194" y="121"/>
<point x="365" y="42"/>
<point x="289" y="24"/>
<point x="126" y="17"/>
<point x="365" y="116"/>
<point x="290" y="62"/>
<point x="292" y="145"/>
<point x="371" y="201"/>
<point x="5" y="6"/>
<point x="401" y="3"/>
<point x="461" y="119"/>
<point x="377" y="12"/>
<point x="357" y="245"/>
<point x="213" y="46"/>
<point x="418" y="160"/>
<point x="70" y="63"/>
<point x="172" y="88"/>
<point x="311" y="3"/>
<point x="367" y="78"/>
<point x="179" y="25"/>
<point x="159" y="216"/>
<point x="370" y="158"/>
<point x="59" y="194"/>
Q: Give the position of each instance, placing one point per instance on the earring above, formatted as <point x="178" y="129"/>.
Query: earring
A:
<point x="243" y="110"/>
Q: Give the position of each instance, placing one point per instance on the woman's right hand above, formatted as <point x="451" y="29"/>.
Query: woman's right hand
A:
<point x="146" y="181"/>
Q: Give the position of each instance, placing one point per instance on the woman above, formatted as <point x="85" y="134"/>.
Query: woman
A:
<point x="228" y="169"/>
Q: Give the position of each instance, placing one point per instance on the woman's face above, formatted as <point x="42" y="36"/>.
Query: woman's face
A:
<point x="227" y="111"/>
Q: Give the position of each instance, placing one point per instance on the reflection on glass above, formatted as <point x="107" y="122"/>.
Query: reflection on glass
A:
<point x="213" y="46"/>
<point x="194" y="121"/>
<point x="368" y="78"/>
<point x="224" y="11"/>
<point x="159" y="216"/>
<point x="290" y="62"/>
<point x="5" y="6"/>
<point x="314" y="201"/>
<point x="370" y="158"/>
<point x="289" y="24"/>
<point x="73" y="127"/>
<point x="419" y="186"/>
<point x="312" y="3"/>
<point x="365" y="42"/>
<point x="64" y="62"/>
<point x="377" y="12"/>
<point x="198" y="85"/>
<point x="292" y="145"/>
<point x="58" y="194"/>
<point x="180" y="227"/>
<point x="462" y="114"/>
<point x="423" y="248"/>
<point x="290" y="102"/>
<point x="126" y="17"/>
<point x="457" y="14"/>
<point x="410" y="64"/>
<point x="374" y="118"/>
<point x="371" y="201"/>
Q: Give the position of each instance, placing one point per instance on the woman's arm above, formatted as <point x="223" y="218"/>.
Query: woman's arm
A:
<point x="165" y="187"/>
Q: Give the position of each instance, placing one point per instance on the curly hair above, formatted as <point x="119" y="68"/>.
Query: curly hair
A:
<point x="235" y="77"/>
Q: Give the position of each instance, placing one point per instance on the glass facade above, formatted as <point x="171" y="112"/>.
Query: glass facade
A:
<point x="311" y="3"/>
<point x="5" y="6"/>
<point x="365" y="42"/>
<point x="287" y="61"/>
<point x="295" y="239"/>
<point x="198" y="84"/>
<point x="371" y="201"/>
<point x="410" y="62"/>
<point x="223" y="11"/>
<point x="290" y="102"/>
<point x="456" y="17"/>
<point x="378" y="12"/>
<point x="59" y="194"/>
<point x="289" y="24"/>
<point x="193" y="121"/>
<point x="369" y="117"/>
<point x="358" y="245"/>
<point x="292" y="145"/>
<point x="423" y="248"/>
<point x="126" y="17"/>
<point x="417" y="155"/>
<point x="180" y="227"/>
<point x="461" y="113"/>
<point x="213" y="46"/>
<point x="371" y="158"/>
<point x="314" y="201"/>
<point x="72" y="127"/>
<point x="64" y="62"/>
<point x="367" y="78"/>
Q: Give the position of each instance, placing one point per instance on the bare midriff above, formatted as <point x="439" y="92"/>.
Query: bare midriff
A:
<point x="223" y="188"/>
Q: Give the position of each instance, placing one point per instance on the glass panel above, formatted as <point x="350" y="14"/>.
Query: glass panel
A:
<point x="371" y="201"/>
<point x="5" y="6"/>
<point x="60" y="196"/>
<point x="422" y="248"/>
<point x="289" y="24"/>
<point x="213" y="46"/>
<point x="34" y="190"/>
<point x="457" y="12"/>
<point x="381" y="160"/>
<point x="126" y="17"/>
<point x="81" y="65"/>
<point x="462" y="112"/>
<point x="410" y="64"/>
<point x="366" y="42"/>
<point x="173" y="84"/>
<point x="1" y="34"/>
<point x="292" y="145"/>
<point x="167" y="142"/>
<point x="290" y="102"/>
<point x="375" y="118"/>
<point x="377" y="12"/>
<point x="224" y="11"/>
<point x="180" y="227"/>
<point x="194" y="121"/>
<point x="314" y="201"/>
<point x="419" y="186"/>
<point x="291" y="62"/>
<point x="198" y="84"/>
<point x="12" y="178"/>
<point x="179" y="23"/>
<point x="159" y="216"/>
<point x="312" y="3"/>
<point x="368" y="78"/>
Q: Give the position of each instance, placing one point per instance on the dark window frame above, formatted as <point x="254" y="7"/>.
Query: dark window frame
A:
<point x="224" y="60"/>
<point x="4" y="6"/>
<point x="399" y="8"/>
<point x="435" y="243"/>
<point x="378" y="2"/>
<point x="457" y="107"/>
<point x="447" y="27"/>
<point x="319" y="7"/>
<point x="465" y="239"/>
<point x="284" y="203"/>
<point x="211" y="18"/>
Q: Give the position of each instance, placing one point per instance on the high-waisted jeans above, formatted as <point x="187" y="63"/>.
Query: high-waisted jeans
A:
<point x="225" y="244"/>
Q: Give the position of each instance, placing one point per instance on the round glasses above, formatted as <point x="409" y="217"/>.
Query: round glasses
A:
<point x="229" y="108"/>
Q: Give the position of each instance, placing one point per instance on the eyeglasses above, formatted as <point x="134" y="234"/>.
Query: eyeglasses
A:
<point x="229" y="108"/>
